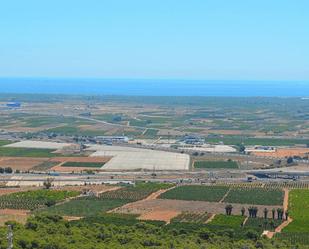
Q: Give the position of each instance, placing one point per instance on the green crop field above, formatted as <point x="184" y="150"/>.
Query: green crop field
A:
<point x="84" y="207"/>
<point x="196" y="193"/>
<point x="298" y="211"/>
<point x="215" y="165"/>
<point x="228" y="220"/>
<point x="31" y="200"/>
<point x="255" y="196"/>
<point x="4" y="142"/>
<point x="83" y="164"/>
<point x="138" y="192"/>
<point x="26" y="152"/>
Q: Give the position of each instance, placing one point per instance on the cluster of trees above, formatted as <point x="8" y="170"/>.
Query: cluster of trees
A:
<point x="52" y="232"/>
<point x="7" y="170"/>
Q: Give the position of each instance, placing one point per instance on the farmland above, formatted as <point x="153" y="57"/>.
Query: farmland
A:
<point x="26" y="152"/>
<point x="196" y="193"/>
<point x="84" y="206"/>
<point x="31" y="200"/>
<point x="83" y="164"/>
<point x="298" y="209"/>
<point x="228" y="220"/>
<point x="191" y="217"/>
<point x="215" y="165"/>
<point x="256" y="196"/>
<point x="263" y="224"/>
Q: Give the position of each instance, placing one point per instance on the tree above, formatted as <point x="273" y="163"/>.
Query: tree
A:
<point x="265" y="213"/>
<point x="8" y="170"/>
<point x="273" y="213"/>
<point x="289" y="160"/>
<point x="228" y="209"/>
<point x="48" y="183"/>
<point x="1" y="170"/>
<point x="286" y="214"/>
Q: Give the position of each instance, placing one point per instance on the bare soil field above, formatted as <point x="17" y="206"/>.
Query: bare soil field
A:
<point x="154" y="208"/>
<point x="284" y="152"/>
<point x="19" y="216"/>
<point x="160" y="215"/>
<point x="21" y="163"/>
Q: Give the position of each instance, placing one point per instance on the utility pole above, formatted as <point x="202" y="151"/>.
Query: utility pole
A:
<point x="10" y="237"/>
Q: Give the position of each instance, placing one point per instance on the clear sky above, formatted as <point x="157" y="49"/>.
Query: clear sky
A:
<point x="193" y="39"/>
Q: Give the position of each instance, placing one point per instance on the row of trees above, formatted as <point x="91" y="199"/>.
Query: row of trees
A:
<point x="7" y="170"/>
<point x="253" y="211"/>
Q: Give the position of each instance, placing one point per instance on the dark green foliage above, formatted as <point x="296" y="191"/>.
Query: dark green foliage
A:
<point x="216" y="164"/>
<point x="83" y="164"/>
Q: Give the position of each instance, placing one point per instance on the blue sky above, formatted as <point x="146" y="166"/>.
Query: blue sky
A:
<point x="196" y="39"/>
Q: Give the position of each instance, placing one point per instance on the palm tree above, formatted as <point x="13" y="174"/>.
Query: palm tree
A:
<point x="273" y="213"/>
<point x="228" y="209"/>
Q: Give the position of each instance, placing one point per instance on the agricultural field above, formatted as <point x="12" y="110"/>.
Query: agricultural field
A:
<point x="4" y="142"/>
<point x="138" y="192"/>
<point x="83" y="164"/>
<point x="31" y="200"/>
<point x="298" y="211"/>
<point x="255" y="196"/>
<point x="192" y="217"/>
<point x="84" y="206"/>
<point x="26" y="152"/>
<point x="196" y="193"/>
<point x="215" y="165"/>
<point x="21" y="163"/>
<point x="228" y="220"/>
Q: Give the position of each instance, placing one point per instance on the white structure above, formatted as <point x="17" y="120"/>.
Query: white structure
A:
<point x="127" y="158"/>
<point x="38" y="145"/>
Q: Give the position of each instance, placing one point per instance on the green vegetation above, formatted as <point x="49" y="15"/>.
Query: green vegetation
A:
<point x="138" y="192"/>
<point x="5" y="142"/>
<point x="263" y="224"/>
<point x="26" y="152"/>
<point x="83" y="164"/>
<point x="215" y="164"/>
<point x="31" y="200"/>
<point x="84" y="207"/>
<point x="255" y="196"/>
<point x="298" y="211"/>
<point x="74" y="130"/>
<point x="196" y="193"/>
<point x="228" y="220"/>
<point x="191" y="217"/>
<point x="120" y="231"/>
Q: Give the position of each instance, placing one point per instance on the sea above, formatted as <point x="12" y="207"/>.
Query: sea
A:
<point x="155" y="87"/>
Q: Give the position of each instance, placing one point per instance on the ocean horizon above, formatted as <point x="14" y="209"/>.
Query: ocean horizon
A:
<point x="155" y="87"/>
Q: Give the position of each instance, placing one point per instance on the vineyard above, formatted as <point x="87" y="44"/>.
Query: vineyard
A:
<point x="196" y="193"/>
<point x="138" y="192"/>
<point x="192" y="217"/>
<point x="228" y="220"/>
<point x="256" y="196"/>
<point x="32" y="200"/>
<point x="301" y="238"/>
<point x="83" y="207"/>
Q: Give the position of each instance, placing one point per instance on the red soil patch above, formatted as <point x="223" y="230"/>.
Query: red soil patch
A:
<point x="161" y="215"/>
<point x="21" y="163"/>
<point x="6" y="191"/>
<point x="281" y="153"/>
